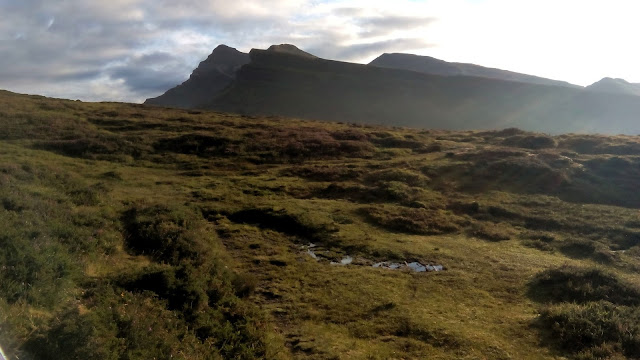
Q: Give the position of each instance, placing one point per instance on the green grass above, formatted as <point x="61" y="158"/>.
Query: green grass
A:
<point x="135" y="232"/>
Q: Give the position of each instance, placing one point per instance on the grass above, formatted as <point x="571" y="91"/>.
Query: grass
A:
<point x="134" y="232"/>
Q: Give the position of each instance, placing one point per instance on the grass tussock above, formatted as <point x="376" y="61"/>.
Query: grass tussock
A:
<point x="582" y="285"/>
<point x="413" y="221"/>
<point x="597" y="330"/>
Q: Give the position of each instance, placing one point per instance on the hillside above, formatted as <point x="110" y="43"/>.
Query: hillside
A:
<point x="284" y="85"/>
<point x="137" y="232"/>
<point x="430" y="65"/>
<point x="285" y="81"/>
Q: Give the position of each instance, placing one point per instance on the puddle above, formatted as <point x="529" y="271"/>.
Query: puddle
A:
<point x="345" y="261"/>
<point x="319" y="254"/>
<point x="414" y="266"/>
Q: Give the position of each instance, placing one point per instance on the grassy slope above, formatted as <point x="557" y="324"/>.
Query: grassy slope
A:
<point x="133" y="232"/>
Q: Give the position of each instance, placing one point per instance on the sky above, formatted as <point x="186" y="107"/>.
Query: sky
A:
<point x="129" y="50"/>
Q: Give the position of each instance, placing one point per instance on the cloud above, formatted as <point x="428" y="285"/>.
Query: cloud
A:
<point x="154" y="72"/>
<point x="366" y="50"/>
<point x="128" y="50"/>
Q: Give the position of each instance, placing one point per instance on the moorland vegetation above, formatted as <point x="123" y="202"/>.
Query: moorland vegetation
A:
<point x="137" y="232"/>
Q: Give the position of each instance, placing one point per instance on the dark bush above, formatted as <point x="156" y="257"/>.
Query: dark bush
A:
<point x="596" y="330"/>
<point x="502" y="133"/>
<point x="197" y="144"/>
<point x="582" y="249"/>
<point x="280" y="220"/>
<point x="401" y="175"/>
<point x="530" y="141"/>
<point x="412" y="220"/>
<point x="90" y="147"/>
<point x="492" y="231"/>
<point x="581" y="285"/>
<point x="491" y="154"/>
<point x="349" y="134"/>
<point x="583" y="144"/>
<point x="244" y="284"/>
<point x="469" y="208"/>
<point x="166" y="234"/>
<point x="395" y="142"/>
<point x="323" y="173"/>
<point x="300" y="144"/>
<point x="538" y="244"/>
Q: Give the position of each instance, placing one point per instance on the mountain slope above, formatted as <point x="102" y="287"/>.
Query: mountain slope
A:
<point x="211" y="76"/>
<point x="285" y="85"/>
<point x="286" y="81"/>
<point x="430" y="65"/>
<point x="616" y="86"/>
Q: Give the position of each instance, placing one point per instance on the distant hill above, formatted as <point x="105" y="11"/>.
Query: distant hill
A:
<point x="616" y="86"/>
<point x="430" y="65"/>
<point x="283" y="83"/>
<point x="211" y="76"/>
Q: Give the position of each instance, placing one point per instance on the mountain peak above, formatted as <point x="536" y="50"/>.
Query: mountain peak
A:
<point x="431" y="65"/>
<point x="211" y="76"/>
<point x="289" y="49"/>
<point x="224" y="54"/>
<point x="615" y="85"/>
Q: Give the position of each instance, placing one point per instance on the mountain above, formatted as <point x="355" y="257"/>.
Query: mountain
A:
<point x="430" y="65"/>
<point x="616" y="86"/>
<point x="211" y="76"/>
<point x="291" y="50"/>
<point x="283" y="83"/>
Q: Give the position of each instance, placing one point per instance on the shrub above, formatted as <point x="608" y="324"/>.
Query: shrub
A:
<point x="196" y="144"/>
<point x="400" y="175"/>
<point x="280" y="220"/>
<point x="166" y="234"/>
<point x="538" y="244"/>
<point x="595" y="330"/>
<point x="581" y="285"/>
<point x="492" y="231"/>
<point x="530" y="141"/>
<point x="587" y="249"/>
<point x="413" y="220"/>
<point x="302" y="143"/>
<point x="90" y="147"/>
<point x="323" y="173"/>
<point x="34" y="274"/>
